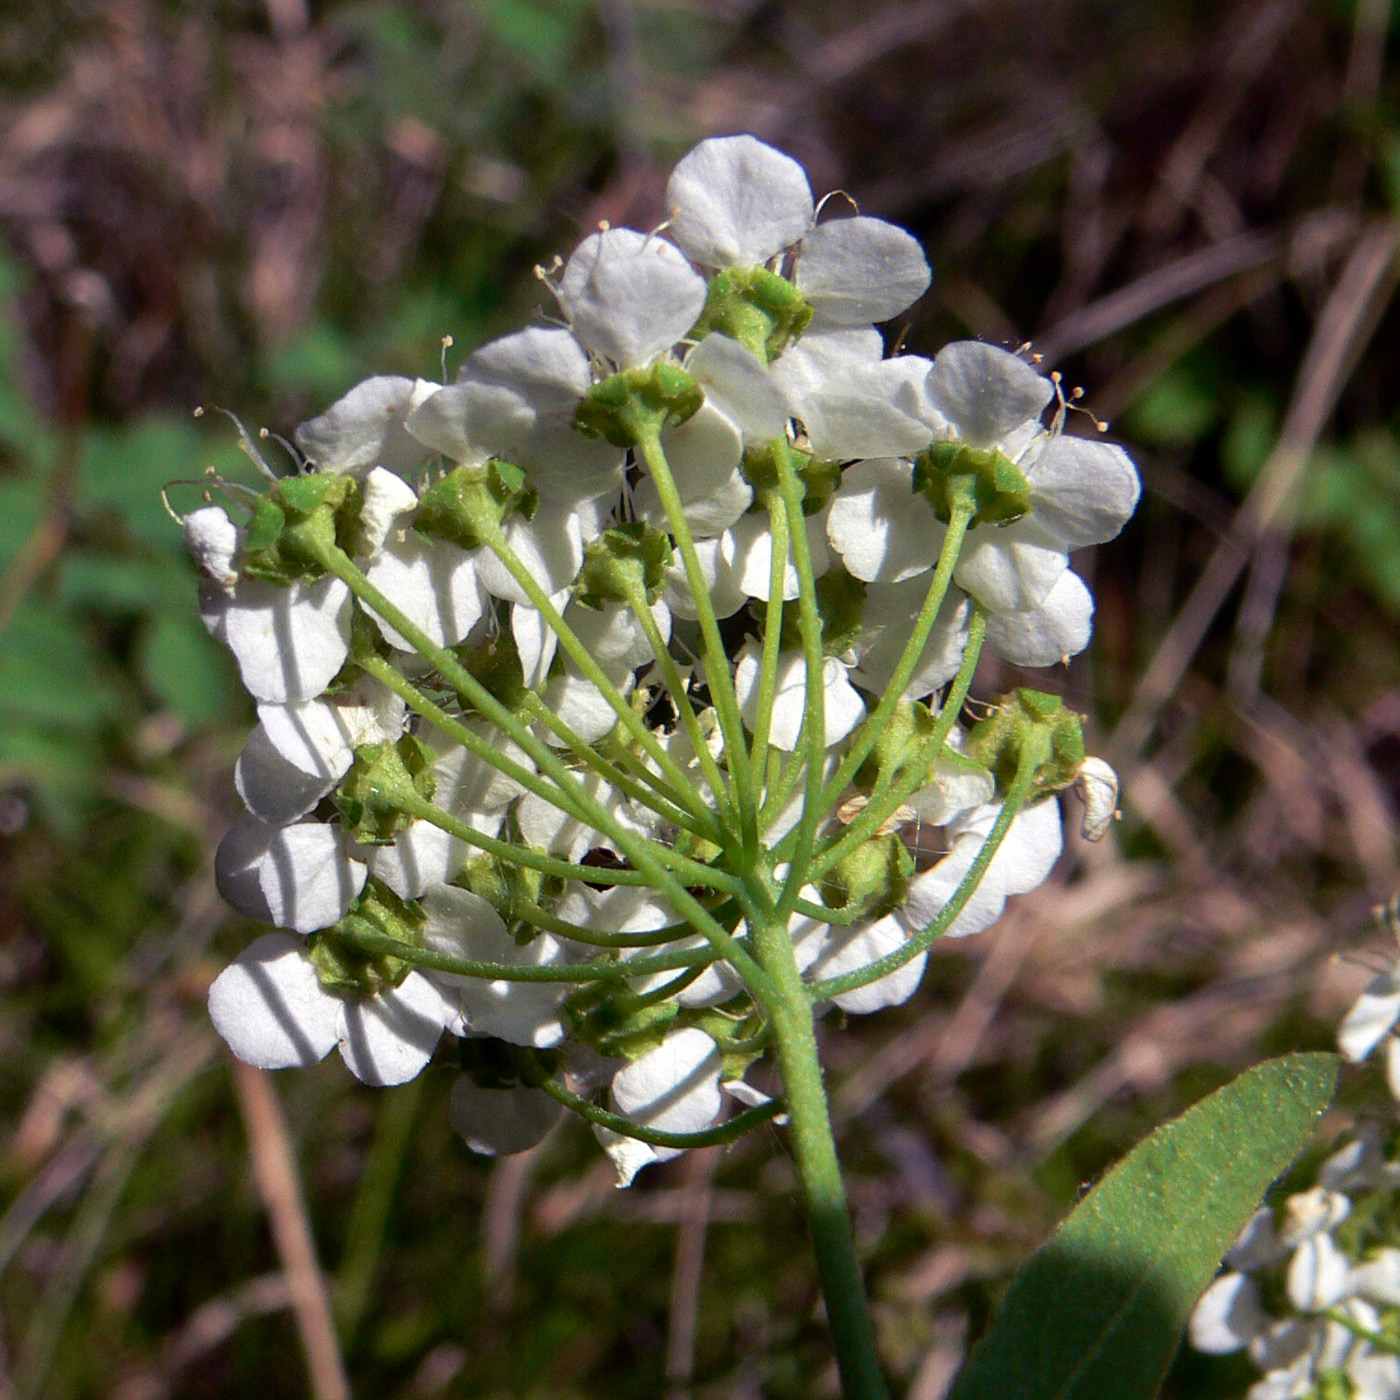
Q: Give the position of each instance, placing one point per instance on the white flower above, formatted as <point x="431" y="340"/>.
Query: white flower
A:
<point x="1319" y="1275"/>
<point x="213" y="541"/>
<point x="673" y="1088"/>
<point x="887" y="620"/>
<point x="1056" y="629"/>
<point x="1372" y="1018"/>
<point x="549" y="828"/>
<point x="270" y="1006"/>
<point x="299" y="877"/>
<point x="738" y="203"/>
<point x="841" y="950"/>
<point x="1097" y="785"/>
<point x="501" y="1122"/>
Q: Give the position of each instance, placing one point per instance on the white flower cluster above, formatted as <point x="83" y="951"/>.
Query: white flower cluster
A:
<point x="1331" y="1263"/>
<point x="584" y="678"/>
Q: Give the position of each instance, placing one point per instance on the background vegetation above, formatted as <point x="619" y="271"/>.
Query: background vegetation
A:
<point x="1191" y="208"/>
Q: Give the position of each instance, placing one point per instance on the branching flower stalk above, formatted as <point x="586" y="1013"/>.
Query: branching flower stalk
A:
<point x="600" y="690"/>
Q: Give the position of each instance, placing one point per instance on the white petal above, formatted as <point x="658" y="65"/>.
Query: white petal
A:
<point x="850" y="949"/>
<point x="366" y="428"/>
<point x="1059" y="628"/>
<point x="887" y="623"/>
<point x="213" y="541"/>
<point x="1097" y="786"/>
<point x="615" y="638"/>
<point x="674" y="1088"/>
<point x="1319" y="1275"/>
<point x="736" y="202"/>
<point x="385" y="498"/>
<point x="985" y="392"/>
<point x="423" y="855"/>
<point x="299" y="877"/>
<point x="629" y="296"/>
<point x="930" y="893"/>
<point x="1371" y="1019"/>
<point x="320" y="736"/>
<point x="580" y="705"/>
<point x="1392" y="1066"/>
<point x="433" y="582"/>
<point x="273" y="790"/>
<point x="858" y="270"/>
<point x="1010" y="568"/>
<point x="1258" y="1245"/>
<point x="843" y="708"/>
<point x="1228" y="1316"/>
<point x="703" y="454"/>
<point x="882" y="530"/>
<point x="387" y="1038"/>
<point x="1028" y="851"/>
<point x="535" y="640"/>
<point x="628" y="1155"/>
<point x="290" y="641"/>
<point x="1379" y="1277"/>
<point x="548" y="828"/>
<point x="739" y="384"/>
<point x="1084" y="491"/>
<point x="550" y="546"/>
<point x="1374" y="1377"/>
<point x="721" y="572"/>
<point x="501" y="1122"/>
<point x="1312" y="1212"/>
<point x="856" y="413"/>
<point x="270" y="1007"/>
<point x="955" y="789"/>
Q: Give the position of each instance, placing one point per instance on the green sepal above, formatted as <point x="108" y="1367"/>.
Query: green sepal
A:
<point x="297" y="523"/>
<point x="505" y="887"/>
<point x="872" y="881"/>
<point x="617" y="1022"/>
<point x="634" y="404"/>
<point x="344" y="965"/>
<point x="762" y="311"/>
<point x="495" y="662"/>
<point x="497" y="1064"/>
<point x="895" y="744"/>
<point x="623" y="561"/>
<point x="383" y="781"/>
<point x="950" y="473"/>
<point x="468" y="506"/>
<point x="735" y="1038"/>
<point x="818" y="477"/>
<point x="1024" y="717"/>
<point x="840" y="604"/>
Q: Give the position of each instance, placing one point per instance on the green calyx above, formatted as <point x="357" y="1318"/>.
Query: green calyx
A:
<point x="495" y="662"/>
<point x="1035" y="721"/>
<point x="872" y="881"/>
<point x="297" y="524"/>
<point x="385" y="783"/>
<point x="624" y="563"/>
<point x="635" y="404"/>
<point x="953" y="476"/>
<point x="818" y="478"/>
<point x="344" y="956"/>
<point x="618" y="1023"/>
<point x="506" y="888"/>
<point x="759" y="309"/>
<point x="895" y="745"/>
<point x="497" y="1064"/>
<point x="468" y="506"/>
<point x="840" y="603"/>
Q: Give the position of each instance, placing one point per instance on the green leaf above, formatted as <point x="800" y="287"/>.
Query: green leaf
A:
<point x="1098" y="1312"/>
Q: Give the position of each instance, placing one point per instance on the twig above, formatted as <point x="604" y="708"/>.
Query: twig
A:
<point x="275" y="1174"/>
<point x="1337" y="340"/>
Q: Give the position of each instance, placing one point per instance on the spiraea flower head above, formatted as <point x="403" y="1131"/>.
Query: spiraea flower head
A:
<point x="514" y="788"/>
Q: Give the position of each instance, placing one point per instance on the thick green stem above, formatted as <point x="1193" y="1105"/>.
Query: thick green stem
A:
<point x="819" y="1172"/>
